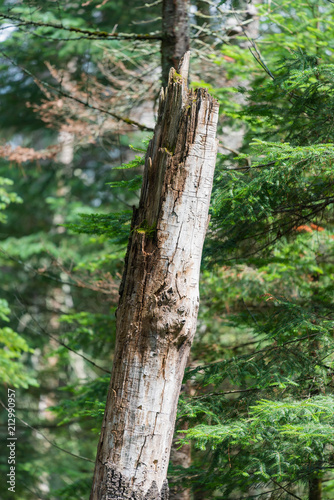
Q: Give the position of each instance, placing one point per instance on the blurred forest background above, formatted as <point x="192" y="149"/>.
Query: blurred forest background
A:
<point x="78" y="96"/>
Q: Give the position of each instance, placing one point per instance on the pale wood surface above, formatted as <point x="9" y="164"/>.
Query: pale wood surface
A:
<point x="159" y="297"/>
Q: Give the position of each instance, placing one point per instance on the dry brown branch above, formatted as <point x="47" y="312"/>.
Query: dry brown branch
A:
<point x="21" y="155"/>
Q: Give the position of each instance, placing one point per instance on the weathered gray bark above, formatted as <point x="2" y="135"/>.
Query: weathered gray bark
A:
<point x="157" y="312"/>
<point x="175" y="35"/>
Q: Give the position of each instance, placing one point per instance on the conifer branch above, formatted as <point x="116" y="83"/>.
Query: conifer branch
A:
<point x="252" y="355"/>
<point x="258" y="58"/>
<point x="60" y="342"/>
<point x="223" y="393"/>
<point x="91" y="34"/>
<point x="283" y="488"/>
<point x="261" y="165"/>
<point x="45" y="275"/>
<point x="42" y="83"/>
<point x="255" y="52"/>
<point x="39" y="496"/>
<point x="47" y="439"/>
<point x="259" y="494"/>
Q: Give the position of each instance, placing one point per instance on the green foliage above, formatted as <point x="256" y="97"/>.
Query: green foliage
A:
<point x="137" y="162"/>
<point x="115" y="226"/>
<point x="280" y="438"/>
<point x="298" y="101"/>
<point x="133" y="184"/>
<point x="6" y="197"/>
<point x="87" y="400"/>
<point x="12" y="347"/>
<point x="261" y="415"/>
<point x="254" y="207"/>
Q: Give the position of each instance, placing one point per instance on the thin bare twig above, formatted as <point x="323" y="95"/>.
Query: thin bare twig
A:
<point x="47" y="439"/>
<point x="60" y="342"/>
<point x="286" y="491"/>
<point x="90" y="33"/>
<point x="41" y="83"/>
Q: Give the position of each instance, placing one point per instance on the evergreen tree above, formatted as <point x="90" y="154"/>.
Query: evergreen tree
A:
<point x="271" y="230"/>
<point x="262" y="362"/>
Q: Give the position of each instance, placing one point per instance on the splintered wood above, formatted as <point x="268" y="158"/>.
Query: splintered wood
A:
<point x="159" y="297"/>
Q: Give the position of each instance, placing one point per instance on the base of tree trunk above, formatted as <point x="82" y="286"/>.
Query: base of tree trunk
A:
<point x="118" y="487"/>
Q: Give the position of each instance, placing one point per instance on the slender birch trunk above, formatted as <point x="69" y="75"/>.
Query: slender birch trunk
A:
<point x="157" y="312"/>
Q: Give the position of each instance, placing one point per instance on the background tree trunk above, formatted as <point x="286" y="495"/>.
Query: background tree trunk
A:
<point x="181" y="456"/>
<point x="175" y="35"/>
<point x="175" y="43"/>
<point x="157" y="312"/>
<point x="315" y="488"/>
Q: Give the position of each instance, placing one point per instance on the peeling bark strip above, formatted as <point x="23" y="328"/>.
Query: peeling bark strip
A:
<point x="175" y="35"/>
<point x="157" y="312"/>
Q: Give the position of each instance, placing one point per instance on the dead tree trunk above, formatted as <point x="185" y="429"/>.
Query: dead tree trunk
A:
<point x="157" y="312"/>
<point x="175" y="35"/>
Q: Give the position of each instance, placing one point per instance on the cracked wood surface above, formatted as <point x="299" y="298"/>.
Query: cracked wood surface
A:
<point x="159" y="297"/>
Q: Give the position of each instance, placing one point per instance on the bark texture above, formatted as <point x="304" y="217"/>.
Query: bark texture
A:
<point x="175" y="35"/>
<point x="157" y="312"/>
